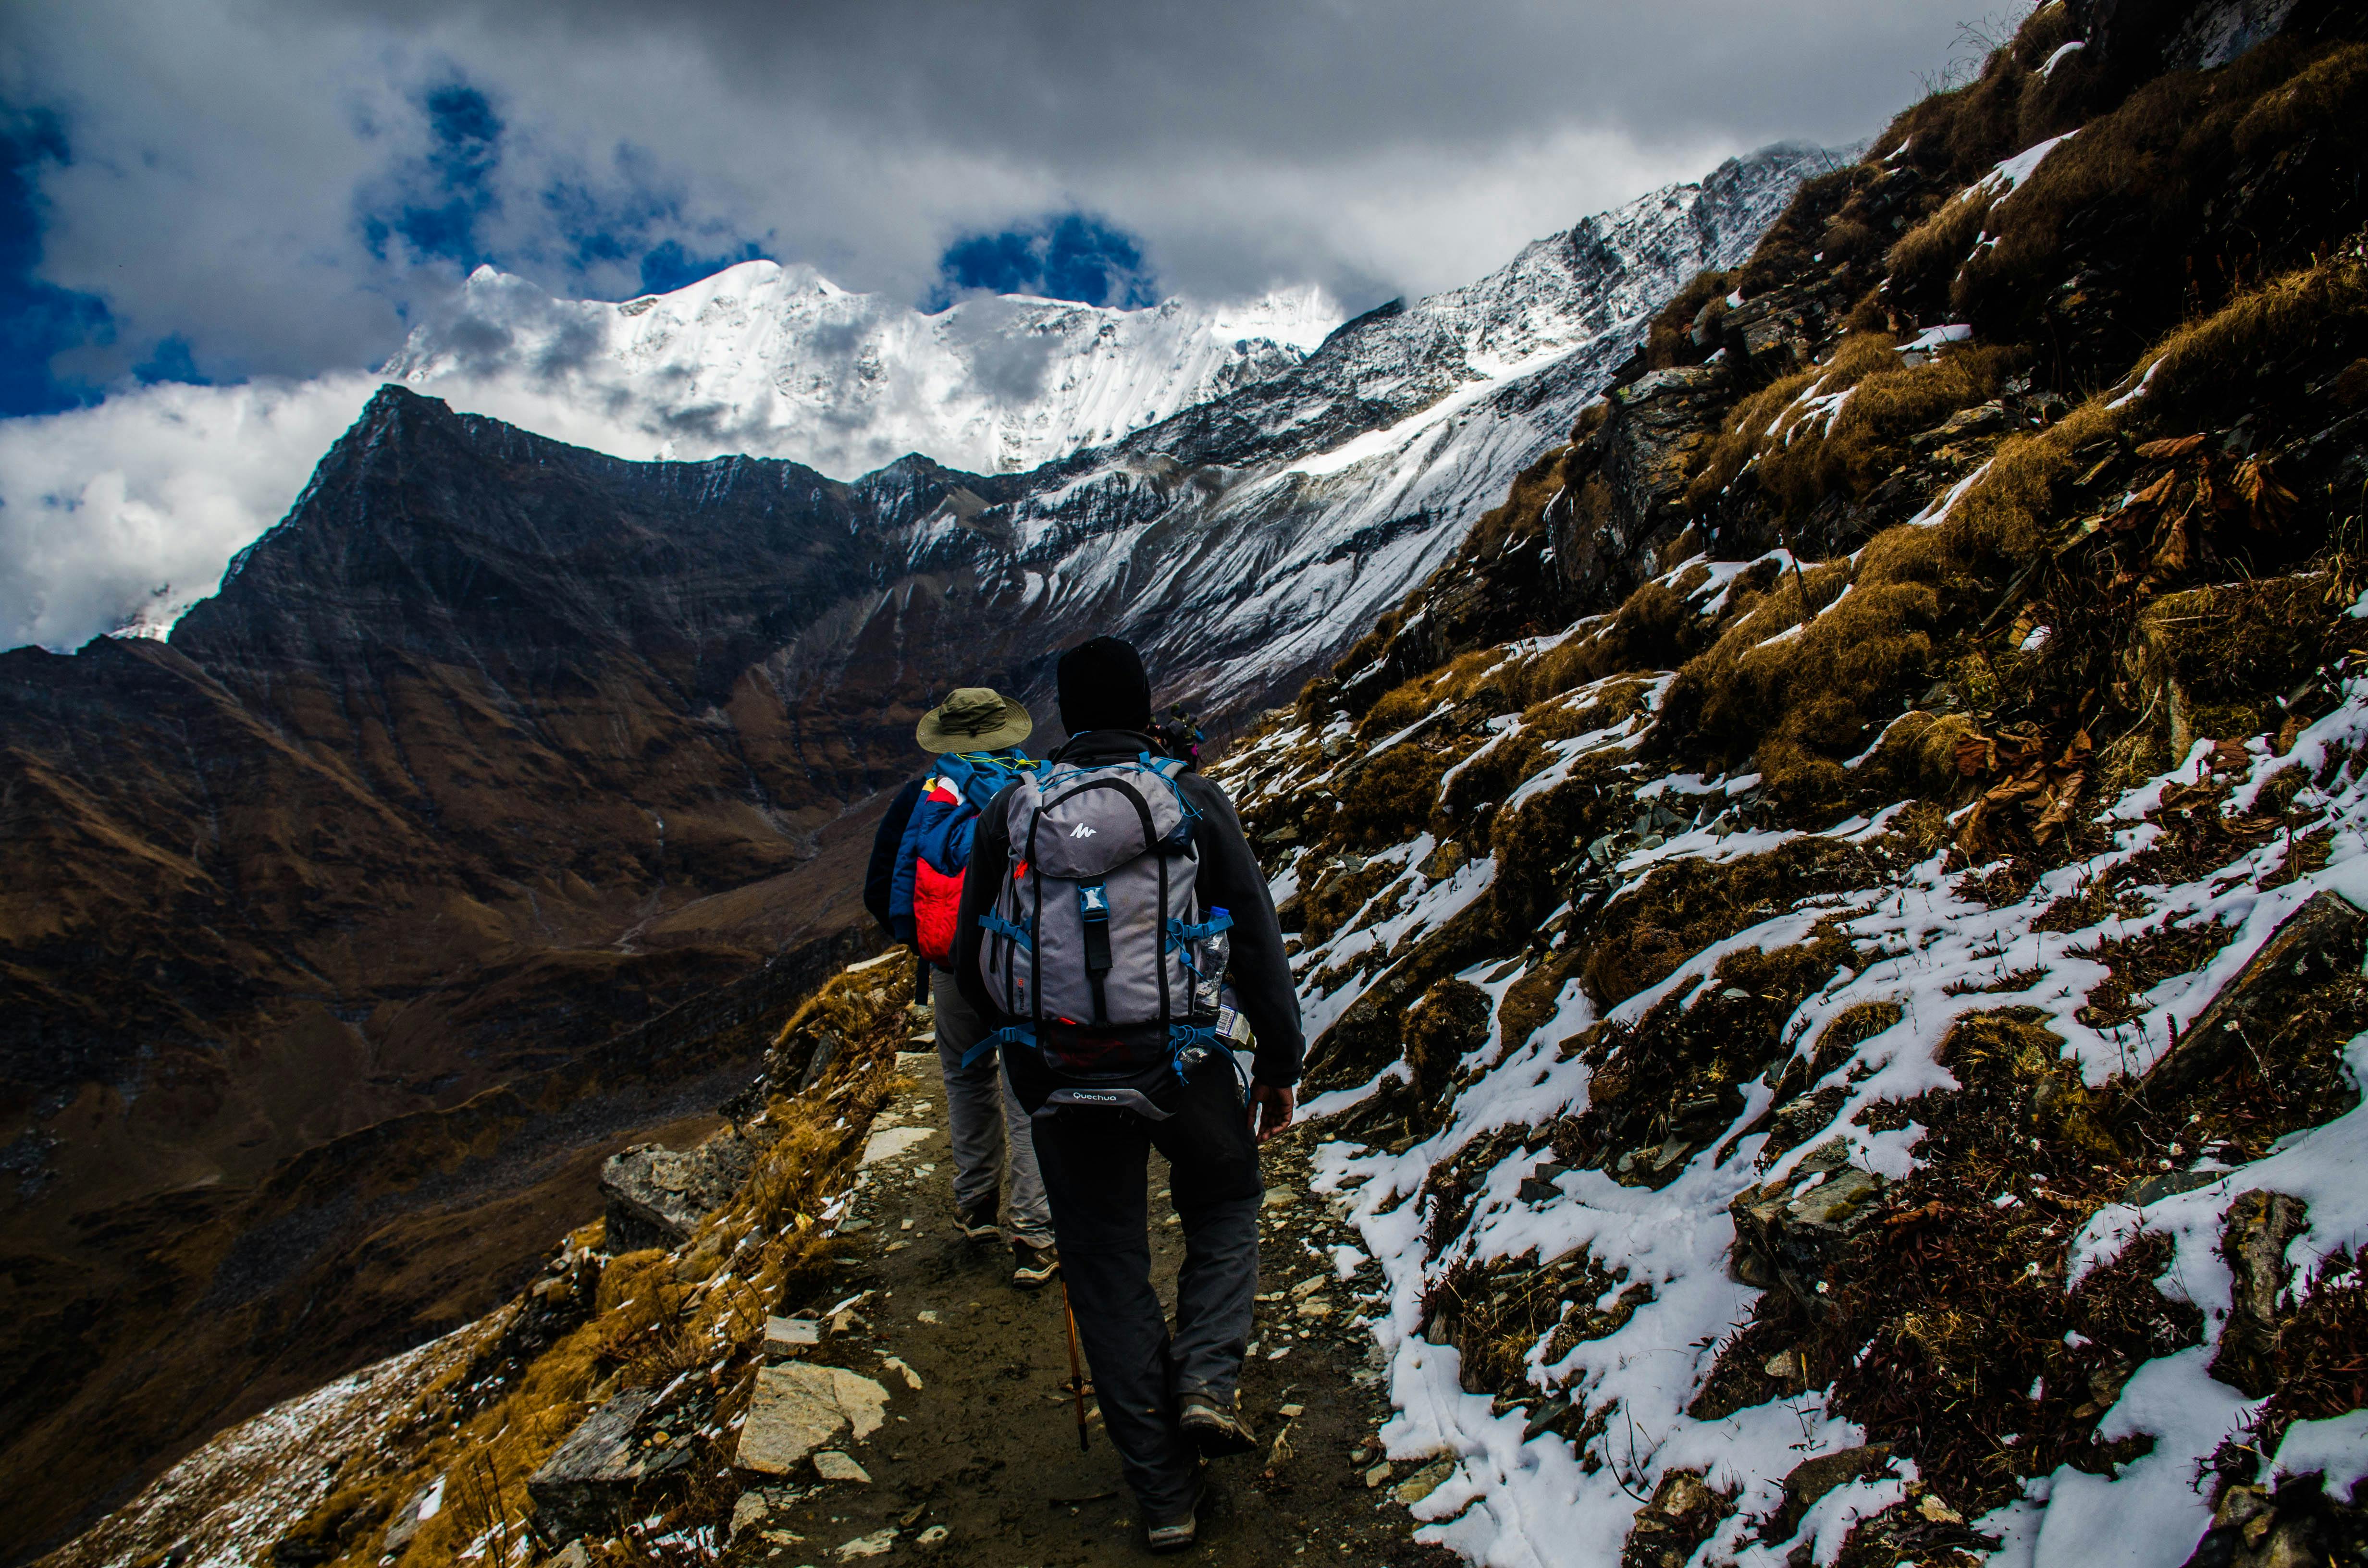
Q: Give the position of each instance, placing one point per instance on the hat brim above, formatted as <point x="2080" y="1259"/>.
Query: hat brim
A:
<point x="1015" y="727"/>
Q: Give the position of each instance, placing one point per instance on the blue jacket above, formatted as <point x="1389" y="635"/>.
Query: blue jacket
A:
<point x="945" y="816"/>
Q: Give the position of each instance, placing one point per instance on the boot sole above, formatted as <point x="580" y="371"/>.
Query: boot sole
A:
<point x="1219" y="1439"/>
<point x="1186" y="1532"/>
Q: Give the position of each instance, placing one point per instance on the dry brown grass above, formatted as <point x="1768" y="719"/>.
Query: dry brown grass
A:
<point x="656" y="1314"/>
<point x="1792" y="708"/>
<point x="1667" y="341"/>
<point x="1490" y="777"/>
<point x="1802" y="231"/>
<point x="2195" y="369"/>
<point x="1652" y="630"/>
<point x="1808" y="458"/>
<point x="1390" y="799"/>
<point x="1769" y="417"/>
<point x="1524" y="506"/>
<point x="2157" y="163"/>
<point x="1959" y="134"/>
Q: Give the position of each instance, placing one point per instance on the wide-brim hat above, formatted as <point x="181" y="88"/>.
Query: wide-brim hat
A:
<point x="973" y="718"/>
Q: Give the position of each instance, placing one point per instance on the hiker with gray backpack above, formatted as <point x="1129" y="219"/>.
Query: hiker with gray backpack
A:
<point x="920" y="858"/>
<point x="1117" y="929"/>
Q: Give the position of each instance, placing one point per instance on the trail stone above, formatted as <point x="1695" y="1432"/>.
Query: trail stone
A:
<point x="790" y="1336"/>
<point x="832" y="1465"/>
<point x="600" y="1469"/>
<point x="877" y="1544"/>
<point x="889" y="1143"/>
<point x="406" y="1519"/>
<point x="748" y="1513"/>
<point x="656" y="1197"/>
<point x="2154" y="1188"/>
<point x="798" y="1406"/>
<point x="1813" y="1477"/>
<point x="1424" y="1481"/>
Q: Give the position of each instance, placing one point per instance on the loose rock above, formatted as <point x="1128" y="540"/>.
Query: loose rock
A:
<point x="797" y="1407"/>
<point x="1788" y="1233"/>
<point x="832" y="1465"/>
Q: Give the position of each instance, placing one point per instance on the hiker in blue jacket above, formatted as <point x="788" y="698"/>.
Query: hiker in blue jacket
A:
<point x="974" y="736"/>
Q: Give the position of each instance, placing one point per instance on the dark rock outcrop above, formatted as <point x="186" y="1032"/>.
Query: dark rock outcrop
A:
<point x="657" y="1195"/>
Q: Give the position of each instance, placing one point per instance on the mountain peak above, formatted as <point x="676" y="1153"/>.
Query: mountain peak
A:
<point x="777" y="360"/>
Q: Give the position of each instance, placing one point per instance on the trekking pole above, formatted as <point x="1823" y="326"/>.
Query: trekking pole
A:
<point x="1076" y="1373"/>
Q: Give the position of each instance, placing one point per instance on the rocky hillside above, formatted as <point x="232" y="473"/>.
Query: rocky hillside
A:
<point x="1836" y="922"/>
<point x="621" y="1374"/>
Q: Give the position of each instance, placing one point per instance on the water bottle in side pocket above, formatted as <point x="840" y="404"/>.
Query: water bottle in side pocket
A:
<point x="1208" y="983"/>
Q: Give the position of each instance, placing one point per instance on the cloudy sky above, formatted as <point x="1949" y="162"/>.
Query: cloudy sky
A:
<point x="218" y="192"/>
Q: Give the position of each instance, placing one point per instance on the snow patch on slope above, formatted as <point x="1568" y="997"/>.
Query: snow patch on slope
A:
<point x="1543" y="1503"/>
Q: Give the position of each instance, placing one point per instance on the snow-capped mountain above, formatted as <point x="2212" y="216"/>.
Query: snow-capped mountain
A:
<point x="778" y="362"/>
<point x="1239" y="540"/>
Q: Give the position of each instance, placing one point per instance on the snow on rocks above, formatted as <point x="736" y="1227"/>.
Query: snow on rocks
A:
<point x="227" y="1504"/>
<point x="1691" y="1235"/>
<point x="778" y="362"/>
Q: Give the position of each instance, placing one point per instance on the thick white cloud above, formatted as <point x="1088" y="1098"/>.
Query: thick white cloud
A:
<point x="123" y="515"/>
<point x="222" y="147"/>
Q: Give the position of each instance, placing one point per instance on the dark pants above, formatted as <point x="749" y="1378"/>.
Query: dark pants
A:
<point x="1094" y="1163"/>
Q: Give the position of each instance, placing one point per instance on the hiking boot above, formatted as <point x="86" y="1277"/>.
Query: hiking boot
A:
<point x="1176" y="1535"/>
<point x="1215" y="1430"/>
<point x="1032" y="1264"/>
<point x="978" y="1224"/>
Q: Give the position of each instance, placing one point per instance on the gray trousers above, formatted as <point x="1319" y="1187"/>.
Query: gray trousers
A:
<point x="1094" y="1162"/>
<point x="989" y="1130"/>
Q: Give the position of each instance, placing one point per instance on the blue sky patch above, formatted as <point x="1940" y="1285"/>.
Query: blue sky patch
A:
<point x="637" y="221"/>
<point x="437" y="200"/>
<point x="39" y="321"/>
<point x="1068" y="255"/>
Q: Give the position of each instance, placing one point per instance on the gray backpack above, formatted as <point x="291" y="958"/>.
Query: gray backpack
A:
<point x="1097" y="942"/>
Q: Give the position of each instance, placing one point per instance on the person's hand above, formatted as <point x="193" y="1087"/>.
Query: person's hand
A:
<point x="1270" y="1108"/>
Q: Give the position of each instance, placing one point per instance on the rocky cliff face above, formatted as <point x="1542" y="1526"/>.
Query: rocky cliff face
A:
<point x="498" y="747"/>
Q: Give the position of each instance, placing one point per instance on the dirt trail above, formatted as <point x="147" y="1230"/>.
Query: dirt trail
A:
<point x="987" y="1449"/>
